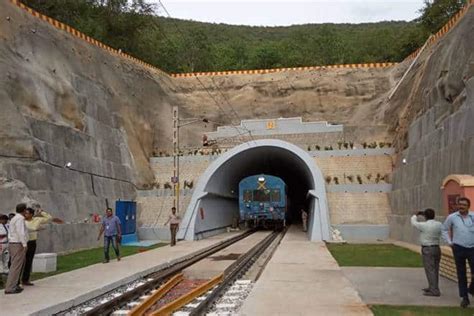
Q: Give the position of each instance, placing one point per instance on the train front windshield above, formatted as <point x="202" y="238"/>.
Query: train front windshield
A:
<point x="261" y="195"/>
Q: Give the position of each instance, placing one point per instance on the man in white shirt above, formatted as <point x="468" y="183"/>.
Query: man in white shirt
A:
<point x="4" y="256"/>
<point x="430" y="234"/>
<point x="174" y="220"/>
<point x="17" y="243"/>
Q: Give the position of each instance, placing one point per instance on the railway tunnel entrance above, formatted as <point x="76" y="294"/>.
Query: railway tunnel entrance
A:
<point x="214" y="203"/>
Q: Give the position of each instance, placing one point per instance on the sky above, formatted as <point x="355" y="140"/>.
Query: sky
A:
<point x="285" y="12"/>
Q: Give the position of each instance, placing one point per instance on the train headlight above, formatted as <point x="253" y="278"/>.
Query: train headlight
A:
<point x="261" y="179"/>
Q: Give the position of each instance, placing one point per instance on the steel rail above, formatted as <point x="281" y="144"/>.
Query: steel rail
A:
<point x="234" y="271"/>
<point x="140" y="309"/>
<point x="184" y="299"/>
<point x="160" y="277"/>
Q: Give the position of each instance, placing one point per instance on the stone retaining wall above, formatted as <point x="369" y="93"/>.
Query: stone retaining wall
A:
<point x="349" y="203"/>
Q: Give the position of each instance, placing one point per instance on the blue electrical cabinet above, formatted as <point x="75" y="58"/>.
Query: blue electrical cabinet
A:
<point x="126" y="211"/>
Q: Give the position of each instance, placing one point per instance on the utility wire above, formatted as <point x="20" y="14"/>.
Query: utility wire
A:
<point x="171" y="82"/>
<point x="204" y="87"/>
<point x="239" y="133"/>
<point x="232" y="108"/>
<point x="217" y="103"/>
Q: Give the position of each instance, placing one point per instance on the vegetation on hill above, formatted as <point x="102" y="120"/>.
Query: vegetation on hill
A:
<point x="187" y="46"/>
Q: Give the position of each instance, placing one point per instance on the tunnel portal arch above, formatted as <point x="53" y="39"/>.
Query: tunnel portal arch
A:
<point x="214" y="204"/>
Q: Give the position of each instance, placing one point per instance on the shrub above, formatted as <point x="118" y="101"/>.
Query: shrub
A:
<point x="373" y="145"/>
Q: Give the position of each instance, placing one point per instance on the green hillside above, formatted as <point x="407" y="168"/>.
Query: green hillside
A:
<point x="186" y="46"/>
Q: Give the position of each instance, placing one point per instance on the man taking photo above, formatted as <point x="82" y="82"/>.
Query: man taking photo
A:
<point x="430" y="234"/>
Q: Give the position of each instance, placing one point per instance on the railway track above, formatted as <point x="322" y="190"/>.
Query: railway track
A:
<point x="114" y="300"/>
<point x="167" y="291"/>
<point x="202" y="297"/>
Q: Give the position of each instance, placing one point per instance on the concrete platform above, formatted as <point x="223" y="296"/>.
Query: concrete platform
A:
<point x="399" y="286"/>
<point x="62" y="291"/>
<point x="302" y="278"/>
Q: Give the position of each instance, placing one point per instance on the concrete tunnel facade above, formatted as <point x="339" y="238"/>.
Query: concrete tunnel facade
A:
<point x="214" y="202"/>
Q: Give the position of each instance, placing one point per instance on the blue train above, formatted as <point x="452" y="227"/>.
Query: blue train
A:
<point x="263" y="201"/>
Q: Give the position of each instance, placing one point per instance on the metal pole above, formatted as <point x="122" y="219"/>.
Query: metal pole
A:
<point x="176" y="158"/>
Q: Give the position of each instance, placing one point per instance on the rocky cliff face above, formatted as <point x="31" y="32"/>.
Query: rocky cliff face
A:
<point x="432" y="117"/>
<point x="64" y="100"/>
<point x="343" y="96"/>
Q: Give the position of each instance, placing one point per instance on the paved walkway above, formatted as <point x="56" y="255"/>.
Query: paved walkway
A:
<point x="302" y="278"/>
<point x="399" y="286"/>
<point x="59" y="292"/>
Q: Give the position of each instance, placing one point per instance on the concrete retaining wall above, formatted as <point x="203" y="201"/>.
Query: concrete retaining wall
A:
<point x="349" y="202"/>
<point x="358" y="208"/>
<point x="368" y="233"/>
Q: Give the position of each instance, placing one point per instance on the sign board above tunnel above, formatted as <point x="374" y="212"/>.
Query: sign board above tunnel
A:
<point x="279" y="126"/>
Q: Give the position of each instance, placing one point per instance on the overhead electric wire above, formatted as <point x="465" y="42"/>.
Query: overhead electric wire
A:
<point x="217" y="103"/>
<point x="205" y="88"/>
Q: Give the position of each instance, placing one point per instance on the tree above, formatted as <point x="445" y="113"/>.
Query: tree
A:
<point x="437" y="12"/>
<point x="266" y="55"/>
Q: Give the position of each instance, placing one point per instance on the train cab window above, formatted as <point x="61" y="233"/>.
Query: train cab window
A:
<point x="247" y="195"/>
<point x="261" y="195"/>
<point x="275" y="195"/>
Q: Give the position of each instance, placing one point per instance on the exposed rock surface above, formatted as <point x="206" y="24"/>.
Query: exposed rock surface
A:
<point x="432" y="115"/>
<point x="64" y="100"/>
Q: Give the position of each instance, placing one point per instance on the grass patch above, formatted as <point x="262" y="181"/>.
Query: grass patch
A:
<point x="374" y="255"/>
<point x="84" y="258"/>
<point x="386" y="310"/>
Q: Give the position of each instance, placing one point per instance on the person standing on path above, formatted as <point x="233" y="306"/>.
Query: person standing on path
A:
<point x="17" y="243"/>
<point x="4" y="256"/>
<point x="304" y="219"/>
<point x="174" y="225"/>
<point x="430" y="234"/>
<point x="458" y="230"/>
<point x="33" y="224"/>
<point x="112" y="234"/>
